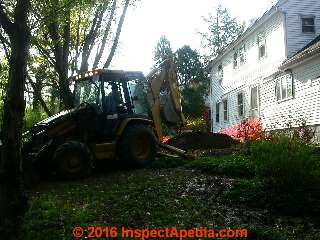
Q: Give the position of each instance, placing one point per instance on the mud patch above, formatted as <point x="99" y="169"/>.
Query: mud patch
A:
<point x="202" y="141"/>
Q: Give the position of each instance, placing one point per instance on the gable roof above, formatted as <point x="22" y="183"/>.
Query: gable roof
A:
<point x="312" y="49"/>
<point x="249" y="30"/>
<point x="310" y="44"/>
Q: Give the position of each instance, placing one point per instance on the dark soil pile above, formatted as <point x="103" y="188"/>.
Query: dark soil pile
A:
<point x="200" y="140"/>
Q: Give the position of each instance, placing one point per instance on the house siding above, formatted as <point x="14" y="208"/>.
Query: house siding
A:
<point x="250" y="73"/>
<point x="284" y="37"/>
<point x="305" y="103"/>
<point x="294" y="9"/>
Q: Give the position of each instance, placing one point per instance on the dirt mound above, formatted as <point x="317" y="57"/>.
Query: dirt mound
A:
<point x="199" y="140"/>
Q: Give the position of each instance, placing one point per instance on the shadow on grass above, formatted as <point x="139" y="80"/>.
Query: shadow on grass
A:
<point x="231" y="166"/>
<point x="172" y="192"/>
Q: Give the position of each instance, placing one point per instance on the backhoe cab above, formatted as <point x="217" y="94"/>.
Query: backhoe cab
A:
<point x="117" y="115"/>
<point x="113" y="94"/>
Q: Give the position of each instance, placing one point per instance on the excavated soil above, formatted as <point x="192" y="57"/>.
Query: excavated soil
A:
<point x="202" y="141"/>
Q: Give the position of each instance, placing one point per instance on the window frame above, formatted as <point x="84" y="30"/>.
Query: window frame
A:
<point x="235" y="60"/>
<point x="252" y="87"/>
<point x="242" y="54"/>
<point x="302" y="17"/>
<point x="288" y="78"/>
<point x="218" y="112"/>
<point x="262" y="41"/>
<point x="220" y="72"/>
<point x="240" y="106"/>
<point x="225" y="110"/>
<point x="239" y="56"/>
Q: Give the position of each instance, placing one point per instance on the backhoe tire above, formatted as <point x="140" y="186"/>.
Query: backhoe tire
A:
<point x="73" y="160"/>
<point x="137" y="146"/>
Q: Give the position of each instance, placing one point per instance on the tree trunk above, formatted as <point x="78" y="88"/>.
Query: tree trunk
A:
<point x="61" y="53"/>
<point x="37" y="97"/>
<point x="116" y="39"/>
<point x="90" y="39"/>
<point x="37" y="87"/>
<point x="100" y="50"/>
<point x="64" y="65"/>
<point x="13" y="201"/>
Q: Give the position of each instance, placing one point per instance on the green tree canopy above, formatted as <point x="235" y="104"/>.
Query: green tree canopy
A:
<point x="222" y="30"/>
<point x="193" y="79"/>
<point x="162" y="51"/>
<point x="74" y="36"/>
<point x="190" y="67"/>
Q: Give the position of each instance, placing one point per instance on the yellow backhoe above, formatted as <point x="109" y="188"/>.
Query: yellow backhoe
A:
<point x="116" y="115"/>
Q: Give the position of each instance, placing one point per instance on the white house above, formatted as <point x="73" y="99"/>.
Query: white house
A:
<point x="271" y="71"/>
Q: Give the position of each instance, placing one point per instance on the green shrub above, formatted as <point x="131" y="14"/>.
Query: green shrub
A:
<point x="192" y="101"/>
<point x="283" y="162"/>
<point x="255" y="193"/>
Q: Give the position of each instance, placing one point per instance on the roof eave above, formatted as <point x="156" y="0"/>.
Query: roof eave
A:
<point x="301" y="58"/>
<point x="263" y="19"/>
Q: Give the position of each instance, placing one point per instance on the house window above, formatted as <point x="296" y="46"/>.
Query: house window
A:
<point x="254" y="102"/>
<point x="220" y="72"/>
<point x="240" y="104"/>
<point x="235" y="60"/>
<point x="308" y="24"/>
<point x="262" y="45"/>
<point x="217" y="112"/>
<point x="225" y="110"/>
<point x="239" y="57"/>
<point x="242" y="57"/>
<point x="254" y="98"/>
<point x="284" y="87"/>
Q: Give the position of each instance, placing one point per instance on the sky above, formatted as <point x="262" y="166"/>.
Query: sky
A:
<point x="179" y="20"/>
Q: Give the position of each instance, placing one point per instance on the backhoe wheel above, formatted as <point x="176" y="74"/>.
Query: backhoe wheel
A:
<point x="137" y="146"/>
<point x="73" y="160"/>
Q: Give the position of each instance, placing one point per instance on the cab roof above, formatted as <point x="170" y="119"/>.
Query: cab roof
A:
<point x="95" y="72"/>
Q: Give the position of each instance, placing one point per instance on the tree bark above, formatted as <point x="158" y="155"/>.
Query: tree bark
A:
<point x="89" y="40"/>
<point x="116" y="39"/>
<point x="61" y="54"/>
<point x="74" y="64"/>
<point x="105" y="36"/>
<point x="13" y="201"/>
<point x="37" y="87"/>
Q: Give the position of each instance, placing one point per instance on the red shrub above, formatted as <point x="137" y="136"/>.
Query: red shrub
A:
<point x="165" y="139"/>
<point x="250" y="129"/>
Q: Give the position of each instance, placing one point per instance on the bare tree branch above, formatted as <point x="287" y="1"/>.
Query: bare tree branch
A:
<point x="77" y="46"/>
<point x="45" y="53"/>
<point x="116" y="39"/>
<point x="90" y="37"/>
<point x="105" y="36"/>
<point x="39" y="96"/>
<point x="66" y="43"/>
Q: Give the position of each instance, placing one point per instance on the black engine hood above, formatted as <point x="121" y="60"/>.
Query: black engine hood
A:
<point x="50" y="121"/>
<point x="56" y="117"/>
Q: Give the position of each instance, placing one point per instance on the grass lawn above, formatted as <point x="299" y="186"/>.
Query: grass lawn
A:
<point x="208" y="192"/>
